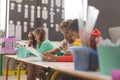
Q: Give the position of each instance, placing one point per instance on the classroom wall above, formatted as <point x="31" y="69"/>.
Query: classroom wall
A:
<point x="54" y="7"/>
<point x="109" y="14"/>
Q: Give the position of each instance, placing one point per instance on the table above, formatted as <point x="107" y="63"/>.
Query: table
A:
<point x="65" y="67"/>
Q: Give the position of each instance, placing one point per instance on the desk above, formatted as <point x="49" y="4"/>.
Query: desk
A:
<point x="1" y="60"/>
<point x="65" y="67"/>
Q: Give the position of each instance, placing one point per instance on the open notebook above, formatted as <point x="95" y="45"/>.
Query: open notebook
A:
<point x="38" y="55"/>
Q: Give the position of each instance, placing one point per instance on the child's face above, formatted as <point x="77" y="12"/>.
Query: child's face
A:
<point x="66" y="34"/>
<point x="37" y="37"/>
<point x="30" y="39"/>
<point x="74" y="35"/>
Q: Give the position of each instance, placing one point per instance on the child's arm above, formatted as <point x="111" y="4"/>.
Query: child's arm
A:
<point x="52" y="52"/>
<point x="54" y="58"/>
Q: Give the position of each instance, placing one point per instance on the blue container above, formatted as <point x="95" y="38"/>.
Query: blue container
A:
<point x="84" y="58"/>
<point x="80" y="57"/>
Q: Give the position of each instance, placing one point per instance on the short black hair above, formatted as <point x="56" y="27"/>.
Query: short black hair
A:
<point x="74" y="25"/>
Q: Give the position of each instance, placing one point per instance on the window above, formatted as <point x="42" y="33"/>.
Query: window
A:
<point x="3" y="16"/>
<point x="75" y="8"/>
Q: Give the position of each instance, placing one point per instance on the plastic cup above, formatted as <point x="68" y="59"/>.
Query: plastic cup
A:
<point x="80" y="57"/>
<point x="109" y="58"/>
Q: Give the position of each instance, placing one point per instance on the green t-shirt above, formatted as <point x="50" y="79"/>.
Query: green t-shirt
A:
<point x="44" y="46"/>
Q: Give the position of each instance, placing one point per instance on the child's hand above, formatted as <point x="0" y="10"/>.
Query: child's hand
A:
<point x="67" y="53"/>
<point x="47" y="53"/>
<point x="51" y="58"/>
<point x="52" y="52"/>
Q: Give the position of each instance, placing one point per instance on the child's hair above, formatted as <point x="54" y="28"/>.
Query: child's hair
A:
<point x="74" y="25"/>
<point x="33" y="38"/>
<point x="40" y="31"/>
<point x="65" y="24"/>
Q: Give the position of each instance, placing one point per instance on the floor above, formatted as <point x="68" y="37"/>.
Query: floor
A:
<point x="23" y="77"/>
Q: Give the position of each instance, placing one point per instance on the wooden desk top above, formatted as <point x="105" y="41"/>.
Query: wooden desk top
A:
<point x="65" y="67"/>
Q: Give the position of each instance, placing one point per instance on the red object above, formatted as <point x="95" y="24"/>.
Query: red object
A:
<point x="96" y="33"/>
<point x="65" y="59"/>
<point x="93" y="38"/>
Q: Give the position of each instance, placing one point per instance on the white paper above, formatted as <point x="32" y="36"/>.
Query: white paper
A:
<point x="44" y="1"/>
<point x="19" y="7"/>
<point x="52" y="3"/>
<point x="26" y="11"/>
<point x="25" y="26"/>
<point x="35" y="52"/>
<point x="12" y="6"/>
<point x="56" y="27"/>
<point x="46" y="29"/>
<point x="58" y="3"/>
<point x="51" y="15"/>
<point x="38" y="11"/>
<point x="11" y="29"/>
<point x="32" y="25"/>
<point x="18" y="1"/>
<point x="18" y="35"/>
<point x="32" y="13"/>
<point x="44" y="13"/>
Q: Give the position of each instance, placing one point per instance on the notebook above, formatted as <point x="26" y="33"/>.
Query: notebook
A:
<point x="38" y="55"/>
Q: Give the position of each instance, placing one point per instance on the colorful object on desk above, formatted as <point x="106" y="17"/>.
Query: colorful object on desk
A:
<point x="115" y="74"/>
<point x="94" y="38"/>
<point x="77" y="42"/>
<point x="66" y="58"/>
<point x="109" y="58"/>
<point x="80" y="57"/>
<point x="8" y="45"/>
<point x="84" y="58"/>
<point x="22" y="52"/>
